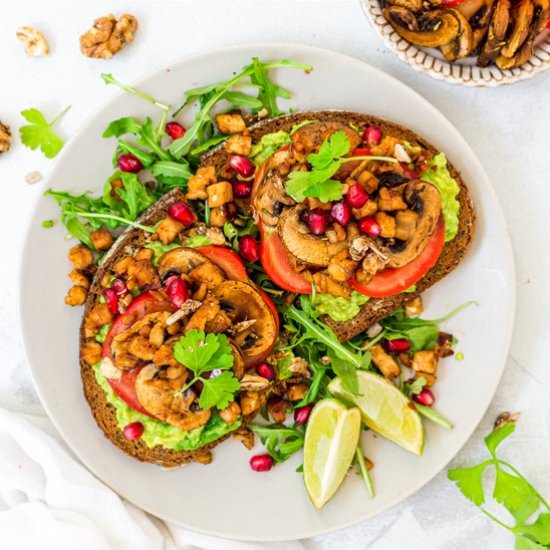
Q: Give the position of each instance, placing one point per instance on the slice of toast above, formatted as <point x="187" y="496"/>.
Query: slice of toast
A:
<point x="104" y="413"/>
<point x="453" y="252"/>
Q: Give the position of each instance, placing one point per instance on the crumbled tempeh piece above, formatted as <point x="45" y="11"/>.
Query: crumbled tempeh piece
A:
<point x="168" y="230"/>
<point x="230" y="123"/>
<point x="368" y="209"/>
<point x="142" y="273"/>
<point x="197" y="184"/>
<point x="35" y="43"/>
<point x="444" y="347"/>
<point x="76" y="296"/>
<point x="239" y="145"/>
<point x="385" y="362"/>
<point x="387" y="225"/>
<point x="101" y="239"/>
<point x="91" y="352"/>
<point x="414" y="307"/>
<point x="231" y="413"/>
<point x="425" y="361"/>
<point x="368" y="180"/>
<point x="218" y="216"/>
<point x="5" y="138"/>
<point x="388" y="199"/>
<point x="277" y="408"/>
<point x="81" y="256"/>
<point x="122" y="265"/>
<point x="245" y="436"/>
<point x="297" y="392"/>
<point x="252" y="402"/>
<point x="219" y="194"/>
<point x="108" y="36"/>
<point x="143" y="254"/>
<point x="340" y="267"/>
<point x="327" y="285"/>
<point x="79" y="279"/>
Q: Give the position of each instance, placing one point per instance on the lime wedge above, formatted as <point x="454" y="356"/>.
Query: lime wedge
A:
<point x="385" y="410"/>
<point x="331" y="438"/>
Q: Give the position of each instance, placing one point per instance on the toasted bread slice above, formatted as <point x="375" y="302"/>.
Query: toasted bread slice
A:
<point x="453" y="252"/>
<point x="104" y="413"/>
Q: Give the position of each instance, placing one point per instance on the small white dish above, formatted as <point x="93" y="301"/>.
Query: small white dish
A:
<point x="466" y="72"/>
<point x="226" y="498"/>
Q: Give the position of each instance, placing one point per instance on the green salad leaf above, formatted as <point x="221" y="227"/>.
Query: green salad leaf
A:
<point x="438" y="175"/>
<point x="280" y="441"/>
<point x="40" y="133"/>
<point x="339" y="308"/>
<point x="269" y="144"/>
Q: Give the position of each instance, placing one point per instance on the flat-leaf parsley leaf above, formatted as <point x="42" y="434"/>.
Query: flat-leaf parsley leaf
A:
<point x="40" y="133"/>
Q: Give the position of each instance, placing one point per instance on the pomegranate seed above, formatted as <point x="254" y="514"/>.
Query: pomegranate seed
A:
<point x="119" y="287"/>
<point x="398" y="345"/>
<point x="301" y="415"/>
<point x="261" y="463"/>
<point x="244" y="167"/>
<point x="317" y="221"/>
<point x="242" y="189"/>
<point x="182" y="213"/>
<point x="372" y="135"/>
<point x="425" y="397"/>
<point x="129" y="163"/>
<point x="409" y="172"/>
<point x="176" y="290"/>
<point x="369" y="226"/>
<point x="174" y="129"/>
<point x="341" y="213"/>
<point x="112" y="300"/>
<point x="249" y="248"/>
<point x="133" y="431"/>
<point x="356" y="196"/>
<point x="266" y="371"/>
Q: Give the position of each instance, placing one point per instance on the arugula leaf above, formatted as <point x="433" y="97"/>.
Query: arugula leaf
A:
<point x="124" y="147"/>
<point x="40" y="132"/>
<point x="108" y="78"/>
<point x="280" y="441"/>
<point x="268" y="91"/>
<point x="134" y="196"/>
<point x="202" y="353"/>
<point x="203" y="147"/>
<point x="345" y="371"/>
<point x="171" y="173"/>
<point x="121" y="126"/>
<point x="470" y="482"/>
<point x="218" y="392"/>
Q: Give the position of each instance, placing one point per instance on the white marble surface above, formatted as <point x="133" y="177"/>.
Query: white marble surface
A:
<point x="508" y="127"/>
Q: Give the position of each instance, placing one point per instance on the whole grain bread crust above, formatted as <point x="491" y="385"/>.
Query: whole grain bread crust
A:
<point x="453" y="251"/>
<point x="104" y="413"/>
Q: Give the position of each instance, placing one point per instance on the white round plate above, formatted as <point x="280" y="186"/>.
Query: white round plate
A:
<point x="466" y="72"/>
<point x="226" y="498"/>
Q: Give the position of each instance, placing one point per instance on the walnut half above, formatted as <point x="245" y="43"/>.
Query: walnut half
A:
<point x="108" y="36"/>
<point x="5" y="138"/>
<point x="34" y="41"/>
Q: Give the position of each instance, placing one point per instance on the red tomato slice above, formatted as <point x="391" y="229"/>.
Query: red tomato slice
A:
<point x="361" y="152"/>
<point x="393" y="281"/>
<point x="227" y="260"/>
<point x="451" y="3"/>
<point x="274" y="258"/>
<point x="270" y="305"/>
<point x="145" y="303"/>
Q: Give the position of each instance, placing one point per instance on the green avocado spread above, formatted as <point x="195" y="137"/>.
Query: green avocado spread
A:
<point x="161" y="433"/>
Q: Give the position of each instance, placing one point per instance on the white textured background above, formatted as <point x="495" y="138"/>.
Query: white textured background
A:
<point x="509" y="128"/>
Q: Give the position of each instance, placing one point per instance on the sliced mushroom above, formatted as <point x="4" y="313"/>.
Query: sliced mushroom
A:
<point x="431" y="30"/>
<point x="462" y="45"/>
<point x="478" y="13"/>
<point x="424" y="199"/>
<point x="310" y="137"/>
<point x="270" y="196"/>
<point x="180" y="260"/>
<point x="522" y="15"/>
<point x="413" y="5"/>
<point x="496" y="33"/>
<point x="315" y="251"/>
<point x="241" y="302"/>
<point x="238" y="360"/>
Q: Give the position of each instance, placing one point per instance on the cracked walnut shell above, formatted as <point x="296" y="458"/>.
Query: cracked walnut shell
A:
<point x="5" y="138"/>
<point x="34" y="41"/>
<point x="108" y="36"/>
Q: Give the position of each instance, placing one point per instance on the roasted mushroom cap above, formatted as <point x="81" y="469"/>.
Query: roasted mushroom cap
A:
<point x="307" y="248"/>
<point x="238" y="360"/>
<point x="269" y="194"/>
<point x="180" y="260"/>
<point x="478" y="13"/>
<point x="496" y="33"/>
<point x="413" y="5"/>
<point x="311" y="136"/>
<point x="522" y="16"/>
<point x="241" y="302"/>
<point x="462" y="45"/>
<point x="431" y="30"/>
<point x="424" y="199"/>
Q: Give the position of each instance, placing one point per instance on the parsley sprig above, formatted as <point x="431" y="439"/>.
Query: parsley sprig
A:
<point x="511" y="490"/>
<point x="40" y="133"/>
<point x="318" y="181"/>
<point x="207" y="353"/>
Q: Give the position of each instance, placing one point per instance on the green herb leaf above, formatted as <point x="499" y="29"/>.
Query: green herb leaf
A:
<point x="219" y="391"/>
<point x="470" y="482"/>
<point x="344" y="370"/>
<point x="523" y="543"/>
<point x="281" y="442"/>
<point x="495" y="438"/>
<point x="121" y="126"/>
<point x="539" y="531"/>
<point x="134" y="195"/>
<point x="171" y="173"/>
<point x="516" y="495"/>
<point x="40" y="133"/>
<point x="202" y="352"/>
